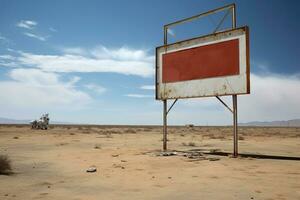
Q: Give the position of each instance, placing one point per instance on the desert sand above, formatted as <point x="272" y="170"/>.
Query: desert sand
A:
<point x="51" y="164"/>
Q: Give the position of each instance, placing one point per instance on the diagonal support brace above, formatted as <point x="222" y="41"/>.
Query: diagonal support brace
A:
<point x="172" y="105"/>
<point x="224" y="104"/>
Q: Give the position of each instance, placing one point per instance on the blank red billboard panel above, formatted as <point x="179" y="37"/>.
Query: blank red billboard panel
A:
<point x="219" y="59"/>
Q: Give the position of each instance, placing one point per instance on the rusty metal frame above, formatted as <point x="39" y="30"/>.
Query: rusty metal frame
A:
<point x="230" y="7"/>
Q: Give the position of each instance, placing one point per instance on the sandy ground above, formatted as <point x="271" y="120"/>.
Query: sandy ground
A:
<point x="52" y="164"/>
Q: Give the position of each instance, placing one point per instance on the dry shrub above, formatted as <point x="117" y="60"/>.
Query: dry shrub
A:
<point x="147" y="129"/>
<point x="212" y="136"/>
<point x="5" y="166"/>
<point x="241" y="138"/>
<point x="97" y="146"/>
<point x="129" y="130"/>
<point x="113" y="132"/>
<point x="86" y="132"/>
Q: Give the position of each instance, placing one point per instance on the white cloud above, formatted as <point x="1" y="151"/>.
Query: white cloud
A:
<point x="148" y="87"/>
<point x="97" y="88"/>
<point x="75" y="50"/>
<point x="121" y="54"/>
<point x="33" y="89"/>
<point x="273" y="97"/>
<point x="139" y="95"/>
<point x="171" y="32"/>
<point x="27" y="24"/>
<point x="41" y="38"/>
<point x="7" y="57"/>
<point x="123" y="61"/>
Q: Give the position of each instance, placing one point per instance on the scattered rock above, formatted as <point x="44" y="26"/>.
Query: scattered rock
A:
<point x="123" y="160"/>
<point x="118" y="166"/>
<point x="115" y="155"/>
<point x="91" y="169"/>
<point x="213" y="159"/>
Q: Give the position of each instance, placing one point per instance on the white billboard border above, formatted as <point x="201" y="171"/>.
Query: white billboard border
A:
<point x="227" y="85"/>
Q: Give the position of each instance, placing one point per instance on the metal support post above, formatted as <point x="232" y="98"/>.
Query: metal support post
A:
<point x="235" y="126"/>
<point x="165" y="125"/>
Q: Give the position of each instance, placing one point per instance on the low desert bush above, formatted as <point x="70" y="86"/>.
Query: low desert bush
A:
<point x="241" y="138"/>
<point x="147" y="129"/>
<point x="130" y="130"/>
<point x="5" y="166"/>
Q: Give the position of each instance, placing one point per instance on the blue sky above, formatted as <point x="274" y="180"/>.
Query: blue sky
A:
<point x="93" y="61"/>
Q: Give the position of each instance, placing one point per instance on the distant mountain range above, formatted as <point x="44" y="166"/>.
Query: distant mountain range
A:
<point x="24" y="121"/>
<point x="288" y="123"/>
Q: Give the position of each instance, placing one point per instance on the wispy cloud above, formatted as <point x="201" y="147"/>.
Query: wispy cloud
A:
<point x="148" y="87"/>
<point x="7" y="57"/>
<point x="122" y="61"/>
<point x="139" y="95"/>
<point x="75" y="50"/>
<point x="8" y="61"/>
<point x="52" y="29"/>
<point x="27" y="24"/>
<point x="97" y="88"/>
<point x="3" y="39"/>
<point x="171" y="32"/>
<point x="41" y="38"/>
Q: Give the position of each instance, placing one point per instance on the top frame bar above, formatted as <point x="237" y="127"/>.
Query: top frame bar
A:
<point x="230" y="6"/>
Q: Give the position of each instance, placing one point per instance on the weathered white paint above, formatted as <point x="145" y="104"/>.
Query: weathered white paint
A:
<point x="216" y="86"/>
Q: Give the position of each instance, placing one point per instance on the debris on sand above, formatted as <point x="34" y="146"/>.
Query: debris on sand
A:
<point x="115" y="155"/>
<point x="91" y="169"/>
<point x="192" y="155"/>
<point x="167" y="153"/>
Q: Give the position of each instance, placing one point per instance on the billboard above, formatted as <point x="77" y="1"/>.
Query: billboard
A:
<point x="211" y="65"/>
